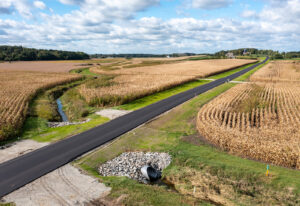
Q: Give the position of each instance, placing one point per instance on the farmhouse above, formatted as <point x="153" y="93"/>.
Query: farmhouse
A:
<point x="230" y="55"/>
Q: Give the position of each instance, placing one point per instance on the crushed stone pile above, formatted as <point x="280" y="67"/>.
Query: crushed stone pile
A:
<point x="129" y="164"/>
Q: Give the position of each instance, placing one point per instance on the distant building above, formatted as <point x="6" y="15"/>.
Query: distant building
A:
<point x="230" y="55"/>
<point x="245" y="53"/>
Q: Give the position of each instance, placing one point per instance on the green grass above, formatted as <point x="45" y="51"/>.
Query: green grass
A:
<point x="37" y="129"/>
<point x="83" y="71"/>
<point x="145" y="101"/>
<point x="169" y="133"/>
<point x="7" y="204"/>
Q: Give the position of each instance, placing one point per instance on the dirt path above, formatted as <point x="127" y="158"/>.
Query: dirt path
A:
<point x="66" y="186"/>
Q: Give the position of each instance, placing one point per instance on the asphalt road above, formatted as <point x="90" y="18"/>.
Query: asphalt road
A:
<point x="25" y="169"/>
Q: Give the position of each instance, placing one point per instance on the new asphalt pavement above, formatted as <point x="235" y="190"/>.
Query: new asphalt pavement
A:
<point x="22" y="170"/>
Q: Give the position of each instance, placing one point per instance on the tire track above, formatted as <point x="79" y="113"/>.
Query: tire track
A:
<point x="62" y="174"/>
<point x="53" y="193"/>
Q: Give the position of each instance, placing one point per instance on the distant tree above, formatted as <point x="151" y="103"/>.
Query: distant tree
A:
<point x="17" y="53"/>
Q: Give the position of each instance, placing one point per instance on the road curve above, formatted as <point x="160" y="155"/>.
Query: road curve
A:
<point x="22" y="170"/>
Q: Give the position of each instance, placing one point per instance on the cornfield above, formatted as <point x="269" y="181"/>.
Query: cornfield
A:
<point x="259" y="120"/>
<point x="198" y="69"/>
<point x="17" y="89"/>
<point x="283" y="71"/>
<point x="133" y="83"/>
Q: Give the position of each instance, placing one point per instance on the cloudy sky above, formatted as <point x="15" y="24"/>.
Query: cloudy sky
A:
<point x="150" y="26"/>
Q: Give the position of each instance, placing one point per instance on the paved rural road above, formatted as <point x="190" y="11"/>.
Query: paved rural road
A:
<point x="24" y="169"/>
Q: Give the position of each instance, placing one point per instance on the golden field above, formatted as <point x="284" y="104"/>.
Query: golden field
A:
<point x="284" y="71"/>
<point x="17" y="90"/>
<point x="131" y="83"/>
<point x="64" y="66"/>
<point x="259" y="120"/>
<point x="198" y="69"/>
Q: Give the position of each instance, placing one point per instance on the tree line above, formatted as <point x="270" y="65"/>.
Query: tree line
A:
<point x="140" y="55"/>
<point x="259" y="52"/>
<point x="19" y="53"/>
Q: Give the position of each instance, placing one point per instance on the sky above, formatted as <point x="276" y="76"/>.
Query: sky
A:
<point x="151" y="26"/>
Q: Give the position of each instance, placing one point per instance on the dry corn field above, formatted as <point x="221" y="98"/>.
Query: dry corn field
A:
<point x="17" y="89"/>
<point x="198" y="69"/>
<point x="133" y="83"/>
<point x="260" y="120"/>
<point x="284" y="71"/>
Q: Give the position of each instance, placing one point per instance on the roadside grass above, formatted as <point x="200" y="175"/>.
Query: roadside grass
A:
<point x="37" y="129"/>
<point x="145" y="101"/>
<point x="175" y="132"/>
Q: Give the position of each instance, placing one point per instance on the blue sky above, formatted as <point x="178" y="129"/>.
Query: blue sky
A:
<point x="150" y="26"/>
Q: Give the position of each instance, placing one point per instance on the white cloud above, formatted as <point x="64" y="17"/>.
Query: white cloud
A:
<point x="21" y="6"/>
<point x="249" y="14"/>
<point x="39" y="5"/>
<point x="109" y="27"/>
<point x="210" y="4"/>
<point x="71" y="2"/>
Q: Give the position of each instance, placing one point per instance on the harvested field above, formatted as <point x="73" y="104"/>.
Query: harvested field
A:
<point x="17" y="89"/>
<point x="133" y="83"/>
<point x="201" y="68"/>
<point x="259" y="121"/>
<point x="284" y="71"/>
<point x="68" y="65"/>
<point x="41" y="66"/>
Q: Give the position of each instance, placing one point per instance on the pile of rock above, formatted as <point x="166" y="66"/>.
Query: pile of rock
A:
<point x="61" y="124"/>
<point x="129" y="164"/>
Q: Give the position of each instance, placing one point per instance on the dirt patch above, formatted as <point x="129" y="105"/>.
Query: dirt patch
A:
<point x="193" y="139"/>
<point x="112" y="113"/>
<point x="41" y="66"/>
<point x="19" y="148"/>
<point x="64" y="186"/>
